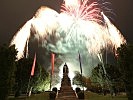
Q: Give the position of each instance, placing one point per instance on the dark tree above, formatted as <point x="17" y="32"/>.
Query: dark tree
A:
<point x="7" y="69"/>
<point x="81" y="80"/>
<point x="125" y="60"/>
<point x="110" y="80"/>
<point x="24" y="80"/>
<point x="24" y="66"/>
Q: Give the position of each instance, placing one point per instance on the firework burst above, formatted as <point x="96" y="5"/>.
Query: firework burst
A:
<point x="83" y="10"/>
<point x="81" y="26"/>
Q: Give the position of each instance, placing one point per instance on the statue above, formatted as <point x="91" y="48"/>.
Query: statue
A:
<point x="65" y="69"/>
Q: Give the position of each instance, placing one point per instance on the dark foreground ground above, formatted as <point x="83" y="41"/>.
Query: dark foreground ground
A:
<point x="88" y="96"/>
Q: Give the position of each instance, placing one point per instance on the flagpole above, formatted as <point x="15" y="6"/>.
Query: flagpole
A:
<point x="51" y="81"/>
<point x="51" y="74"/>
<point x="80" y="63"/>
<point x="31" y="74"/>
<point x="52" y="68"/>
<point x="81" y="70"/>
<point x="27" y="93"/>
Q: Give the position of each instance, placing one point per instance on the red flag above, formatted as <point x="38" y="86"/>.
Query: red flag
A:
<point x="33" y="66"/>
<point x="52" y="62"/>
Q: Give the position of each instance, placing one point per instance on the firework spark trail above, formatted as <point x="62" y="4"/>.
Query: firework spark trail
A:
<point x="79" y="27"/>
<point x="97" y="35"/>
<point x="115" y="36"/>
<point x="21" y="37"/>
<point x="45" y="21"/>
<point x="83" y="11"/>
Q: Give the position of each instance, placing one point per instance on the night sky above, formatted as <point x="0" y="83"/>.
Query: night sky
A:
<point x="14" y="13"/>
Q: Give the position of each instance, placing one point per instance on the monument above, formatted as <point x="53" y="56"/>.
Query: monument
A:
<point x="66" y="92"/>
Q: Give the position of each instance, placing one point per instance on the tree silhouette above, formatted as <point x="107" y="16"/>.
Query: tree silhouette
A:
<point x="125" y="61"/>
<point x="7" y="69"/>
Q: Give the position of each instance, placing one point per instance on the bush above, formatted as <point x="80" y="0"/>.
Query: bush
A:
<point x="52" y="95"/>
<point x="80" y="95"/>
<point x="55" y="90"/>
<point x="77" y="89"/>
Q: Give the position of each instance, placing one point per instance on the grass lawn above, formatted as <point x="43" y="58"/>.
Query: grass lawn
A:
<point x="88" y="96"/>
<point x="94" y="96"/>
<point x="41" y="96"/>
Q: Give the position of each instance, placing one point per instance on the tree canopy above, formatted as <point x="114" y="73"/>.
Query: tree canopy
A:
<point x="7" y="69"/>
<point x="24" y="80"/>
<point x="125" y="61"/>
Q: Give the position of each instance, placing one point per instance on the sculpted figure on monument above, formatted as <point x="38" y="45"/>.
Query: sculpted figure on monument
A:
<point x="65" y="69"/>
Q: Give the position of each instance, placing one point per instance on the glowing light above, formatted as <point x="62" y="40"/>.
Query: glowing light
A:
<point x="73" y="3"/>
